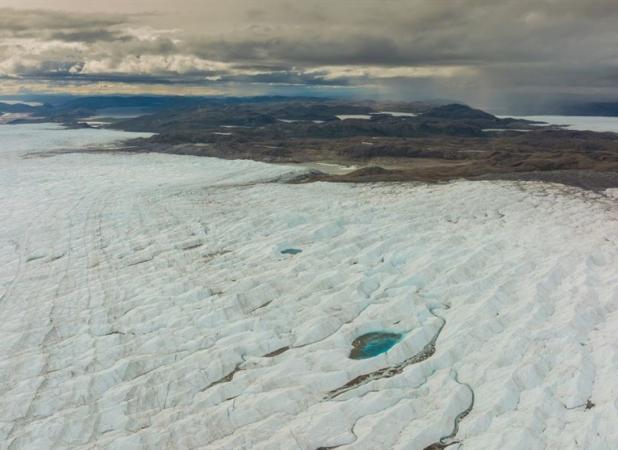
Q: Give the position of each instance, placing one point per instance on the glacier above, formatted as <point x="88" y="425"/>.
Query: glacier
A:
<point x="147" y="303"/>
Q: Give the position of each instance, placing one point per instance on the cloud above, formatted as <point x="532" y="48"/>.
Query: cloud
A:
<point x="39" y="23"/>
<point x="151" y="64"/>
<point x="472" y="49"/>
<point x="87" y="36"/>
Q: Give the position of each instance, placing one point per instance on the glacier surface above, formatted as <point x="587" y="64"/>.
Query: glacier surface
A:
<point x="146" y="304"/>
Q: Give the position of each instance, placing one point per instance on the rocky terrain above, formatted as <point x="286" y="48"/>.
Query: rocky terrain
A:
<point x="385" y="141"/>
<point x="435" y="143"/>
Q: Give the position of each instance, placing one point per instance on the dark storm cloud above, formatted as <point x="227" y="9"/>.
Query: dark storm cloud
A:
<point x="28" y="23"/>
<point x="460" y="46"/>
<point x="417" y="33"/>
<point x="88" y="36"/>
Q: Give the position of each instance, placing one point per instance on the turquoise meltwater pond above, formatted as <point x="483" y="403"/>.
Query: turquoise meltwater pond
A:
<point x="373" y="344"/>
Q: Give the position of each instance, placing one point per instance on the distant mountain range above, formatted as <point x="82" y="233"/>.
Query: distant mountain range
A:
<point x="430" y="141"/>
<point x="66" y="108"/>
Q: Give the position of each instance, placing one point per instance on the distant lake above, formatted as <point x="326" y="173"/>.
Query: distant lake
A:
<point x="583" y="123"/>
<point x="368" y="116"/>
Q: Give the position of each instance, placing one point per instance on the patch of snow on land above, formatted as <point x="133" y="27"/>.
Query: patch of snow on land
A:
<point x="503" y="130"/>
<point x="295" y="121"/>
<point x="398" y="114"/>
<point x="353" y="116"/>
<point x="146" y="304"/>
<point x="19" y="102"/>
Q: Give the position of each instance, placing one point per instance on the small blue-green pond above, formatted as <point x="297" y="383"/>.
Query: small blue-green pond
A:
<point x="291" y="251"/>
<point x="373" y="344"/>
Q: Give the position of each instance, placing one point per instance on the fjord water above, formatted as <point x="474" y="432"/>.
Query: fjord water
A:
<point x="145" y="304"/>
<point x="583" y="123"/>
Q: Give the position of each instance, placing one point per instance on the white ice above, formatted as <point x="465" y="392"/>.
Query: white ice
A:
<point x="139" y="295"/>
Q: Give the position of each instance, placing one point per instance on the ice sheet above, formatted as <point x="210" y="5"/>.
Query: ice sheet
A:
<point x="145" y="303"/>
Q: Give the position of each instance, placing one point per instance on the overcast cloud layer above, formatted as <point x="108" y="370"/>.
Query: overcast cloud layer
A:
<point x="480" y="51"/>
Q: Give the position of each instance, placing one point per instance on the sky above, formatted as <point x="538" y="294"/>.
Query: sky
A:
<point x="486" y="52"/>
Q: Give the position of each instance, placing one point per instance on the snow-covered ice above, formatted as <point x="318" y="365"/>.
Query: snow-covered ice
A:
<point x="146" y="304"/>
